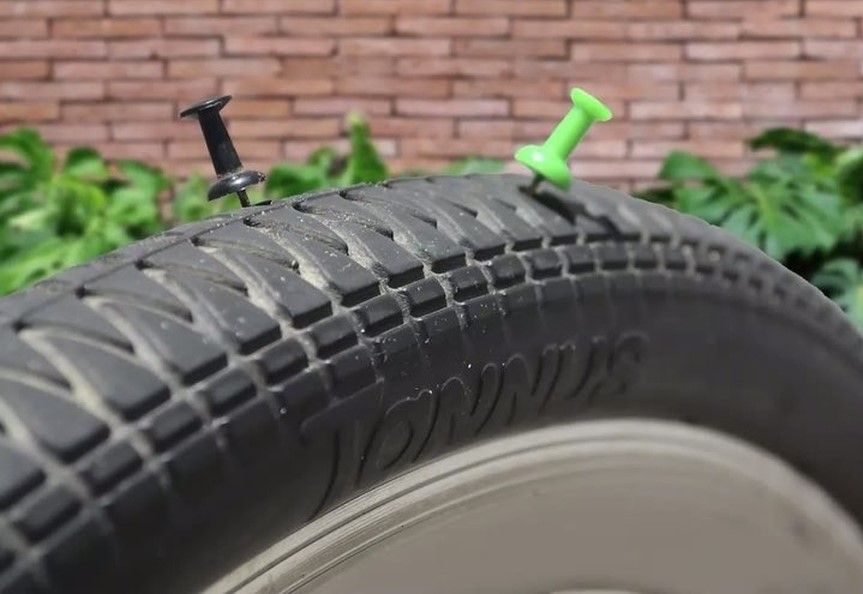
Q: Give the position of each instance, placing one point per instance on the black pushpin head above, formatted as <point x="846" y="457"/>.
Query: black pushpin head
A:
<point x="233" y="179"/>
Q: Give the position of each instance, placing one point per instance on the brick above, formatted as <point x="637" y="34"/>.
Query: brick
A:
<point x="262" y="149"/>
<point x="338" y="66"/>
<point x="685" y="72"/>
<point x="496" y="128"/>
<point x="181" y="168"/>
<point x="707" y="148"/>
<point x="634" y="90"/>
<point x="19" y="28"/>
<point x="799" y="70"/>
<point x="627" y="9"/>
<point x="208" y="26"/>
<point x="593" y="148"/>
<point x="394" y="47"/>
<point x="77" y="134"/>
<point x="802" y="109"/>
<point x="92" y="70"/>
<point x="29" y="111"/>
<point x="830" y="48"/>
<point x="280" y="128"/>
<point x="602" y="170"/>
<point x="586" y="73"/>
<point x="835" y="8"/>
<point x="806" y="28"/>
<point x="454" y="67"/>
<point x="48" y="48"/>
<point x="742" y="50"/>
<point x="452" y="26"/>
<point x="569" y="29"/>
<point x="763" y="10"/>
<point x="512" y="48"/>
<point x="393" y="86"/>
<point x="734" y="130"/>
<point x="832" y="90"/>
<point x="51" y="90"/>
<point x="543" y="108"/>
<point x="607" y="138"/>
<point x="335" y="27"/>
<point x="118" y="112"/>
<point x="299" y="150"/>
<point x="24" y="69"/>
<point x="170" y="130"/>
<point x="50" y="8"/>
<point x="182" y="91"/>
<point x="455" y="107"/>
<point x="532" y="8"/>
<point x="341" y="106"/>
<point x="106" y="28"/>
<point x="259" y="108"/>
<point x="162" y="7"/>
<point x="851" y="128"/>
<point x="234" y="67"/>
<point x="773" y="91"/>
<point x="279" y="87"/>
<point x="365" y="7"/>
<point x="625" y="52"/>
<point x="411" y="128"/>
<point x="485" y="88"/>
<point x="272" y="7"/>
<point x="147" y="151"/>
<point x="707" y="110"/>
<point x="163" y="48"/>
<point x="457" y="147"/>
<point x="278" y="46"/>
<point x="682" y="30"/>
<point x="629" y="130"/>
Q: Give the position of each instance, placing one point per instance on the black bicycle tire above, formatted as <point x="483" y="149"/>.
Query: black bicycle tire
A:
<point x="245" y="373"/>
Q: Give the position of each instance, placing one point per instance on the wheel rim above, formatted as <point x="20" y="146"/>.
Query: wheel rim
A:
<point x="611" y="506"/>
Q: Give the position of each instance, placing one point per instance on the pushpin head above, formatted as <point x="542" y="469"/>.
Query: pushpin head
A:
<point x="549" y="161"/>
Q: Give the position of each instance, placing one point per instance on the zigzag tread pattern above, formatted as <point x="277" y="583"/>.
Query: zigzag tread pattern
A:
<point x="132" y="384"/>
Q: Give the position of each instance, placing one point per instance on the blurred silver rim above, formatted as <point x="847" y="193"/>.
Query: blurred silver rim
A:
<point x="607" y="507"/>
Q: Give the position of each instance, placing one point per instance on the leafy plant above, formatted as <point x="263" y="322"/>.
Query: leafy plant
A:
<point x="54" y="215"/>
<point x="803" y="205"/>
<point x="842" y="280"/>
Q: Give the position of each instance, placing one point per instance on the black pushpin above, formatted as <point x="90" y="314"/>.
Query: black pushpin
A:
<point x="233" y="179"/>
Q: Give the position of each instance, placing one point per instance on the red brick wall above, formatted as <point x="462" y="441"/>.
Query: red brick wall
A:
<point x="438" y="78"/>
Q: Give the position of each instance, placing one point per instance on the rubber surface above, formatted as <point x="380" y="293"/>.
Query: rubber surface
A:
<point x="174" y="406"/>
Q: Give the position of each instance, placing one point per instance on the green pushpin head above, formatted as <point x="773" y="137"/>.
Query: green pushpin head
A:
<point x="549" y="161"/>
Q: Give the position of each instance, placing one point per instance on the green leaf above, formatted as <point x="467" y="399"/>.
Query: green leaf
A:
<point x="190" y="203"/>
<point x="364" y="164"/>
<point x="849" y="173"/>
<point x="679" y="166"/>
<point x="85" y="162"/>
<point x="842" y="280"/>
<point x="141" y="175"/>
<point x="289" y="180"/>
<point x="27" y="144"/>
<point x="792" y="141"/>
<point x="29" y="266"/>
<point x="470" y="165"/>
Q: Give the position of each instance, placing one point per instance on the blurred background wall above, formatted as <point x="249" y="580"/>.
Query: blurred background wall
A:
<point x="437" y="78"/>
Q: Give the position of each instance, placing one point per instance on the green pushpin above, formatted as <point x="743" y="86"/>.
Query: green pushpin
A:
<point x="549" y="161"/>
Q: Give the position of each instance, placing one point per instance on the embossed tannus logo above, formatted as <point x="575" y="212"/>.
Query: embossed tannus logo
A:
<point x="571" y="376"/>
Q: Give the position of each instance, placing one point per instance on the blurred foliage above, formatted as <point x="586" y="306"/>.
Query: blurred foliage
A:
<point x="801" y="204"/>
<point x="54" y="215"/>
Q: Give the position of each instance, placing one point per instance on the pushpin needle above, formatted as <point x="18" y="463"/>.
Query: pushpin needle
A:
<point x="549" y="161"/>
